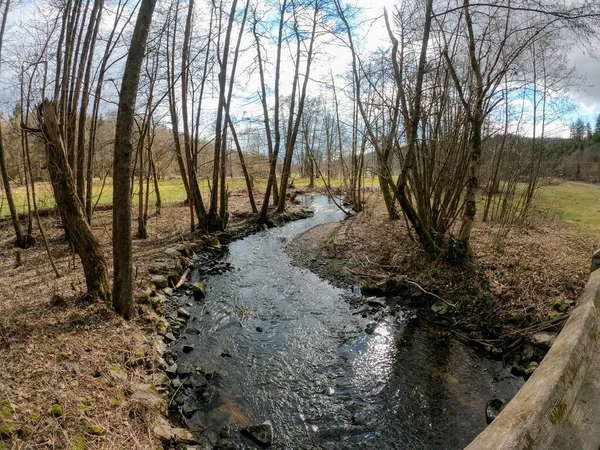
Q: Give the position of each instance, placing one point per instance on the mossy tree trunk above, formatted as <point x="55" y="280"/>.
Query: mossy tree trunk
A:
<point x="69" y="205"/>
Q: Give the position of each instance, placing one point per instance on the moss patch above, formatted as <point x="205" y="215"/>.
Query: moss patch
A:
<point x="96" y="430"/>
<point x="57" y="410"/>
<point x="79" y="443"/>
<point x="7" y="424"/>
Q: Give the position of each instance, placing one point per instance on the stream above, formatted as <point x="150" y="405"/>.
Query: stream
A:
<point x="274" y="342"/>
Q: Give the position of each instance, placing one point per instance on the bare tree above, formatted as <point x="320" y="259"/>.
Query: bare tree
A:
<point x="273" y="144"/>
<point x="123" y="275"/>
<point x="295" y="116"/>
<point x="21" y="239"/>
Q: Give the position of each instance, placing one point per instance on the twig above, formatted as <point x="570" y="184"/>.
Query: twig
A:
<point x="244" y="315"/>
<point x="177" y="390"/>
<point x="541" y="326"/>
<point x="484" y="342"/>
<point x="4" y="340"/>
<point x="430" y="293"/>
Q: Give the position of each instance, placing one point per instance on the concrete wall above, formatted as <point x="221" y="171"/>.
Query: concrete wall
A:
<point x="553" y="408"/>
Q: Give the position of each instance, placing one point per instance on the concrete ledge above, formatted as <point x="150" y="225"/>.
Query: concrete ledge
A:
<point x="581" y="430"/>
<point x="539" y="411"/>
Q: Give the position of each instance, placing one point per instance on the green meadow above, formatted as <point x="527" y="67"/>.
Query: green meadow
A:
<point x="572" y="202"/>
<point x="569" y="201"/>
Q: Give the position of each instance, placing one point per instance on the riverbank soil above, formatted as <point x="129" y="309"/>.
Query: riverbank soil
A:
<point x="517" y="284"/>
<point x="73" y="375"/>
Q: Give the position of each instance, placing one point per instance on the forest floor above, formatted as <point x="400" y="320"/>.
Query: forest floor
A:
<point x="518" y="283"/>
<point x="69" y="369"/>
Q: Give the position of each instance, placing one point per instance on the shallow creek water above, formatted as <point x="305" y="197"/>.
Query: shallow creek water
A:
<point x="289" y="348"/>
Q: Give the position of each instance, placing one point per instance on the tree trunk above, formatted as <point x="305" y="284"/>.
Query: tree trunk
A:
<point x="69" y="205"/>
<point x="476" y="120"/>
<point x="170" y="58"/>
<point x="90" y="42"/>
<point x="194" y="194"/>
<point x="216" y="216"/>
<point x="244" y="168"/>
<point x="158" y="203"/>
<point x="21" y="241"/>
<point x="123" y="276"/>
<point x="95" y="113"/>
<point x="293" y="133"/>
<point x="274" y="147"/>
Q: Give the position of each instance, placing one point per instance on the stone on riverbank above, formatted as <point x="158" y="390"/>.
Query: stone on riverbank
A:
<point x="543" y="339"/>
<point x="439" y="307"/>
<point x="185" y="369"/>
<point x="495" y="407"/>
<point x="262" y="434"/>
<point x="159" y="281"/>
<point x="199" y="291"/>
<point x="172" y="252"/>
<point x="147" y="395"/>
<point x="171" y="371"/>
<point x="183" y="313"/>
<point x="163" y="431"/>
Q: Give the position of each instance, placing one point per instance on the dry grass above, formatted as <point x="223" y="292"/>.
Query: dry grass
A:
<point x="82" y="357"/>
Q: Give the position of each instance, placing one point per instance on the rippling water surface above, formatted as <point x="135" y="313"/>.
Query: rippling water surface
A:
<point x="300" y="357"/>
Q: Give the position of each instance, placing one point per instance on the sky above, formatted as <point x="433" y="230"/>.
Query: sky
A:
<point x="586" y="96"/>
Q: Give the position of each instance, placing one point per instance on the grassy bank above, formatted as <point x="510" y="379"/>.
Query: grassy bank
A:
<point x="521" y="282"/>
<point x="87" y="361"/>
<point x="75" y="375"/>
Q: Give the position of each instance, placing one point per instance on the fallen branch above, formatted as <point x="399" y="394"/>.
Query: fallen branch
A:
<point x="183" y="278"/>
<point x="430" y="293"/>
<point x="540" y="326"/>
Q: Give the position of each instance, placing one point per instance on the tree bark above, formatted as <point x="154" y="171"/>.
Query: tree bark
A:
<point x="476" y="120"/>
<point x="244" y="168"/>
<point x="194" y="195"/>
<point x="69" y="205"/>
<point x="123" y="276"/>
<point x="274" y="149"/>
<point x="21" y="240"/>
<point x="89" y="43"/>
<point x="216" y="216"/>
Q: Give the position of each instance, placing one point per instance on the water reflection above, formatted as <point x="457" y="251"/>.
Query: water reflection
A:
<point x="372" y="365"/>
<point x="314" y="372"/>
